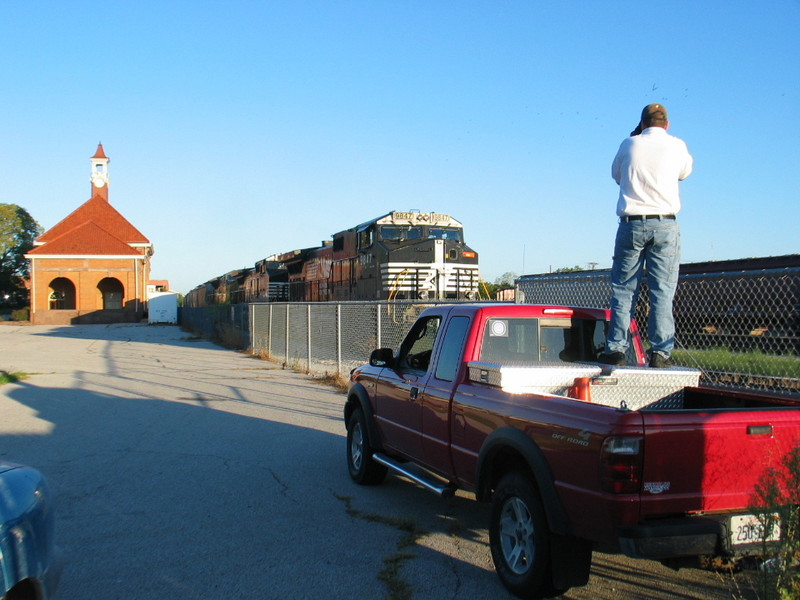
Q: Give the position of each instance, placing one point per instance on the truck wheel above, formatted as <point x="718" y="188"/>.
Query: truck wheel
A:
<point x="363" y="470"/>
<point x="519" y="538"/>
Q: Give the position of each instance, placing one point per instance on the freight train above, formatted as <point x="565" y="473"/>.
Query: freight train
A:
<point x="398" y="256"/>
<point x="743" y="304"/>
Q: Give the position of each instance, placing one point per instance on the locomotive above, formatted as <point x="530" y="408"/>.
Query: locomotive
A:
<point x="398" y="256"/>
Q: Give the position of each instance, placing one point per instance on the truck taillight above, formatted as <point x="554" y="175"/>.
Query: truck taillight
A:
<point x="621" y="465"/>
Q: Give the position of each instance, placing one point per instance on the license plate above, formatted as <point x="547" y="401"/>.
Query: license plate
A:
<point x="748" y="529"/>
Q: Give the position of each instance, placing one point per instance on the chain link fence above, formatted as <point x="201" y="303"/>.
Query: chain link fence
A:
<point x="318" y="337"/>
<point x="740" y="328"/>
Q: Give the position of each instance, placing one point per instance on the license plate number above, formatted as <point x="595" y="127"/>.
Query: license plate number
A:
<point x="748" y="529"/>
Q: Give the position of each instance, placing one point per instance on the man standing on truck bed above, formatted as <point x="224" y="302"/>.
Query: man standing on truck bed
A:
<point x="648" y="166"/>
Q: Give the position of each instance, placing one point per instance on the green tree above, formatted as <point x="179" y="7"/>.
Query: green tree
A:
<point x="489" y="290"/>
<point x="486" y="290"/>
<point x="18" y="230"/>
<point x="506" y="280"/>
<point x="574" y="269"/>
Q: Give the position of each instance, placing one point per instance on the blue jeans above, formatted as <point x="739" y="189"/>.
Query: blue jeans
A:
<point x="651" y="246"/>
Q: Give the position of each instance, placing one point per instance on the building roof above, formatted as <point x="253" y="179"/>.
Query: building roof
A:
<point x="100" y="153"/>
<point x="97" y="210"/>
<point x="87" y="239"/>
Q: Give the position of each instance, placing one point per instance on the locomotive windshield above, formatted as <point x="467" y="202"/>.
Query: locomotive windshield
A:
<point x="398" y="233"/>
<point x="401" y="233"/>
<point x="445" y="233"/>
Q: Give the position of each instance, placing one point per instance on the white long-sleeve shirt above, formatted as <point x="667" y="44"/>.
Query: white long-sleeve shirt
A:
<point x="647" y="168"/>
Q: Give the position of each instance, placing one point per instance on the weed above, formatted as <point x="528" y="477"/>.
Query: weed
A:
<point x="264" y="355"/>
<point x="23" y="314"/>
<point x="6" y="377"/>
<point x="335" y="380"/>
<point x="778" y="494"/>
<point x="390" y="575"/>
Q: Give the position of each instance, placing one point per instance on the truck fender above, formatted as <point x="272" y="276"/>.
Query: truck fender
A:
<point x="357" y="397"/>
<point x="499" y="450"/>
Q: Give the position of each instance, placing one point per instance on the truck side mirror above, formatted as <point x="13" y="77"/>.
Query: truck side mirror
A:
<point x="382" y="357"/>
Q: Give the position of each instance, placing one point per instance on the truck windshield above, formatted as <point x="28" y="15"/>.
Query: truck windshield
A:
<point x="532" y="340"/>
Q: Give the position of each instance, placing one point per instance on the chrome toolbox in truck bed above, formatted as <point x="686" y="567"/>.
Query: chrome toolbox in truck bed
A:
<point x="632" y="388"/>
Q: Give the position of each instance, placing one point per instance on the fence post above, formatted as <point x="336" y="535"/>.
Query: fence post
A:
<point x="339" y="338"/>
<point x="286" y="357"/>
<point x="251" y="311"/>
<point x="378" y="323"/>
<point x="308" y="337"/>
<point x="269" y="333"/>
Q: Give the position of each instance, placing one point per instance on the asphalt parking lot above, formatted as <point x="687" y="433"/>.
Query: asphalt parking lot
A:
<point x="184" y="470"/>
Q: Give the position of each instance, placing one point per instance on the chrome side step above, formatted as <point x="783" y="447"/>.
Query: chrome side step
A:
<point x="445" y="491"/>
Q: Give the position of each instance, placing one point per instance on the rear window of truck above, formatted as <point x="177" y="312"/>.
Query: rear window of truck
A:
<point x="533" y="340"/>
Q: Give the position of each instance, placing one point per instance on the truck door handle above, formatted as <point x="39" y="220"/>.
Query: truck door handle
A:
<point x="414" y="393"/>
<point x="759" y="430"/>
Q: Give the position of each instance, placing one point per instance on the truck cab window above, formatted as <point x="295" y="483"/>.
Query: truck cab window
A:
<point x="529" y="340"/>
<point x="511" y="341"/>
<point x="452" y="345"/>
<point x="415" y="353"/>
<point x="572" y="340"/>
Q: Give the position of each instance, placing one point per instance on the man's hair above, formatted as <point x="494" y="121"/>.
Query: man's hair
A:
<point x="657" y="119"/>
<point x="654" y="115"/>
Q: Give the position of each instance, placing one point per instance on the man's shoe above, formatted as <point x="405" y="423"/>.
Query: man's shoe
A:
<point x="659" y="361"/>
<point x="612" y="358"/>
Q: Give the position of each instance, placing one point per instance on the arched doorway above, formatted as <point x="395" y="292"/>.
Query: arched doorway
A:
<point x="112" y="292"/>
<point x="62" y="294"/>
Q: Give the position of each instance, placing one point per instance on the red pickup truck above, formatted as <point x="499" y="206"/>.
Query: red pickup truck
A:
<point x="508" y="401"/>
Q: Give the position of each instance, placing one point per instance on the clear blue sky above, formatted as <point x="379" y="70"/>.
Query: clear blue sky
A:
<point x="240" y="129"/>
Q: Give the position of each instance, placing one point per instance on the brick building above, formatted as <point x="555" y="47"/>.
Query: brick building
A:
<point x="93" y="266"/>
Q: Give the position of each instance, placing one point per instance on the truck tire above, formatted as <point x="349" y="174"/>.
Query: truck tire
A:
<point x="519" y="538"/>
<point x="363" y="470"/>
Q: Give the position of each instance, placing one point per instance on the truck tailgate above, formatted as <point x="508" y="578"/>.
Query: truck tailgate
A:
<point x="712" y="460"/>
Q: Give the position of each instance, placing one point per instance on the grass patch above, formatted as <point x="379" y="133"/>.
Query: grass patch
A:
<point x="753" y="362"/>
<point x="397" y="587"/>
<point x="6" y="377"/>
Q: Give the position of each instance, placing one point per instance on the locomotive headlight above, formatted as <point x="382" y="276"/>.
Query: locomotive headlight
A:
<point x="469" y="254"/>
